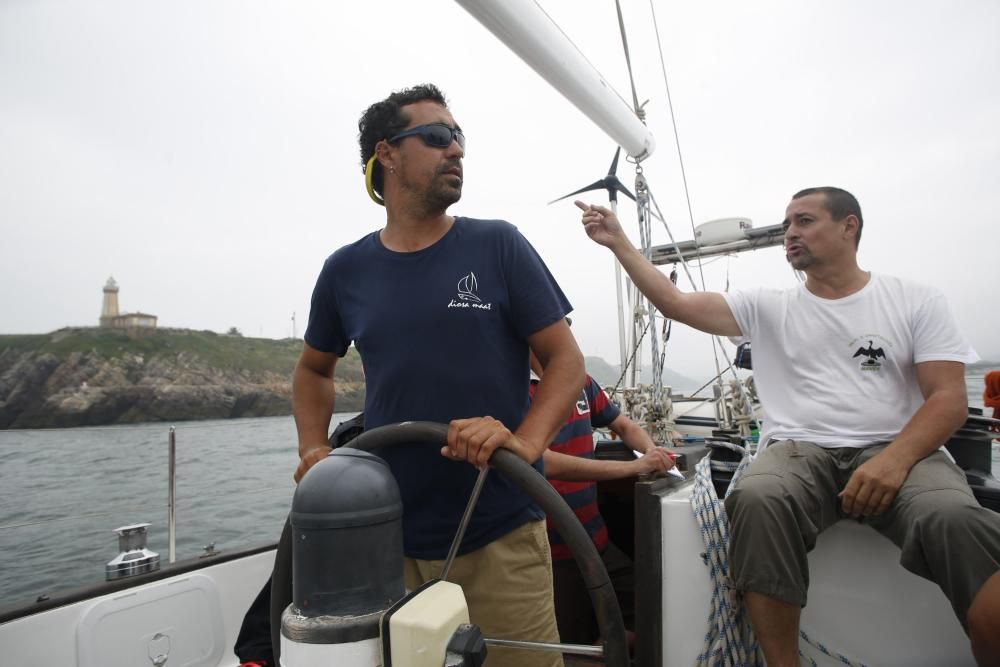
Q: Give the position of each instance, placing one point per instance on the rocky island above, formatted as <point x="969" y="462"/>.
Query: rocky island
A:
<point x="98" y="376"/>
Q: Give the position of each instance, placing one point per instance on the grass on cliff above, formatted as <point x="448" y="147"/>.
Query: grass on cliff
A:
<point x="255" y="355"/>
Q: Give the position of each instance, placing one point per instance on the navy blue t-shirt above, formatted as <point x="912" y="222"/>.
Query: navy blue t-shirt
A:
<point x="442" y="335"/>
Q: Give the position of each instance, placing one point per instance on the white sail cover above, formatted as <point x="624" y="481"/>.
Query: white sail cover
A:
<point x="530" y="33"/>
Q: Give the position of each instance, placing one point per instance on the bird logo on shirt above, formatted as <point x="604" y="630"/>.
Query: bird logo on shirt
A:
<point x="872" y="355"/>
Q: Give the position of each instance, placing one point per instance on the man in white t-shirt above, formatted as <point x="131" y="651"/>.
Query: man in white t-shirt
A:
<point x="861" y="380"/>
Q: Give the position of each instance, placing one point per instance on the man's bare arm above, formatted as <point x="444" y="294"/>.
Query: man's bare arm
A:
<point x="313" y="397"/>
<point x="557" y="391"/>
<point x="706" y="311"/>
<point x="873" y="486"/>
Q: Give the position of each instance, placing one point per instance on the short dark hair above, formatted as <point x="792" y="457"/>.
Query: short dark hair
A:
<point x="386" y="118"/>
<point x="840" y="203"/>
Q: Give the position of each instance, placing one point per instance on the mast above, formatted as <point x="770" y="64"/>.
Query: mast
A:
<point x="622" y="353"/>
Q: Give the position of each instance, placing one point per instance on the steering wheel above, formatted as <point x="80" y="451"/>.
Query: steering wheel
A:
<point x="595" y="575"/>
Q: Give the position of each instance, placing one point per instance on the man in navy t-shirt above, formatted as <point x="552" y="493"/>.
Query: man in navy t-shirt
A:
<point x="443" y="311"/>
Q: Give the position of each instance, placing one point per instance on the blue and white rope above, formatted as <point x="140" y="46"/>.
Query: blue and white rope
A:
<point x="839" y="657"/>
<point x="729" y="641"/>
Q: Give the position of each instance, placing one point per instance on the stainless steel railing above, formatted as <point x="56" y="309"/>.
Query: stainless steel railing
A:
<point x="171" y="488"/>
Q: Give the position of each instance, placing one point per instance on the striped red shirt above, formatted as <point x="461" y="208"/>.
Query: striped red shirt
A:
<point x="576" y="438"/>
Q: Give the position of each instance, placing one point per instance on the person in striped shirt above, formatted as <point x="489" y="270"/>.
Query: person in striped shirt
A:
<point x="571" y="468"/>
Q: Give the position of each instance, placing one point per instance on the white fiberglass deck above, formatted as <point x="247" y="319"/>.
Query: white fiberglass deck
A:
<point x="191" y="619"/>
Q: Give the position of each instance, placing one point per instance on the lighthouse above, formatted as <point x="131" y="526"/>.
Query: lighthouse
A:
<point x="112" y="319"/>
<point x="109" y="311"/>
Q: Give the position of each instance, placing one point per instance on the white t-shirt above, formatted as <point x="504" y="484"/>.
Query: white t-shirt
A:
<point x="840" y="372"/>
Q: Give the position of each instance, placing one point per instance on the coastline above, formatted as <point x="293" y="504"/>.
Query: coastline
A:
<point x="98" y="377"/>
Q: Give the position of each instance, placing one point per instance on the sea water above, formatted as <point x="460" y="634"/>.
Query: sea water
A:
<point x="64" y="491"/>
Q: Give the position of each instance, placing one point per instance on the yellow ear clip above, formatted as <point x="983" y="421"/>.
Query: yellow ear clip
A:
<point x="369" y="170"/>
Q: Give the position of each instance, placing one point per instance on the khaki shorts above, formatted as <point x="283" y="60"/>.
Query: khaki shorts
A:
<point x="788" y="496"/>
<point x="508" y="587"/>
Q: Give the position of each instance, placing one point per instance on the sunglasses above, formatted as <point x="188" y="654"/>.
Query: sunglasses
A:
<point x="437" y="135"/>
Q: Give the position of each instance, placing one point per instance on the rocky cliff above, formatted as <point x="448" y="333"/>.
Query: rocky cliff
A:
<point x="89" y="377"/>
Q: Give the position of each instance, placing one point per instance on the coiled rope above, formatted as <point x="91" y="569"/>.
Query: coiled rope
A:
<point x="825" y="651"/>
<point x="729" y="640"/>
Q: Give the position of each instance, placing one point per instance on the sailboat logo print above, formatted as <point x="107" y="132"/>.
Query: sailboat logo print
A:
<point x="468" y="295"/>
<point x="467" y="288"/>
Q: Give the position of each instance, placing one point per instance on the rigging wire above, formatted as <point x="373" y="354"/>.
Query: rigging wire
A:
<point x="680" y="157"/>
<point x="673" y="123"/>
<point x="646" y="232"/>
<point x="658" y="357"/>
<point x="631" y="358"/>
<point x="667" y="328"/>
<point x="642" y="202"/>
<point x="628" y="61"/>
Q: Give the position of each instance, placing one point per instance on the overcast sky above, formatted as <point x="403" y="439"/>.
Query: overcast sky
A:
<point x="204" y="153"/>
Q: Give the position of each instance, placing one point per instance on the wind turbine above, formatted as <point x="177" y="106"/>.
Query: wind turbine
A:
<point x="611" y="183"/>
